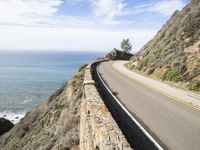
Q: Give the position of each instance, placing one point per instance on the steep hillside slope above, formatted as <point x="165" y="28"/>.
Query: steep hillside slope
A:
<point x="174" y="53"/>
<point x="54" y="124"/>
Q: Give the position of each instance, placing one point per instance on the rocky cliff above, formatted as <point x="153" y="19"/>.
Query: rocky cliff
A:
<point x="174" y="53"/>
<point x="116" y="54"/>
<point x="54" y="124"/>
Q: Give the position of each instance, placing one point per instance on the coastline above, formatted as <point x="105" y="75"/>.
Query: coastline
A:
<point x="27" y="79"/>
<point x="14" y="117"/>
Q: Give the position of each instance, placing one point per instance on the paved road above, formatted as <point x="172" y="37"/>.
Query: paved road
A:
<point x="175" y="124"/>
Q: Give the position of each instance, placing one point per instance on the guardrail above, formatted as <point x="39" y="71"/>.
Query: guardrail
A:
<point x="98" y="130"/>
<point x="136" y="135"/>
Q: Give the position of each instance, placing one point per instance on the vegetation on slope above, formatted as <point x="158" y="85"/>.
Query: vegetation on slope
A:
<point x="54" y="124"/>
<point x="174" y="53"/>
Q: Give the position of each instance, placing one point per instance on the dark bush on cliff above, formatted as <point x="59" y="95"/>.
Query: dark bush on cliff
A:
<point x="118" y="55"/>
<point x="5" y="125"/>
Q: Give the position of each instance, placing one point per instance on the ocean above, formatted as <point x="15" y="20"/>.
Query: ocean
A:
<point x="26" y="79"/>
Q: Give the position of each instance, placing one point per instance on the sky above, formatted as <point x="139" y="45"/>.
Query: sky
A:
<point x="81" y="25"/>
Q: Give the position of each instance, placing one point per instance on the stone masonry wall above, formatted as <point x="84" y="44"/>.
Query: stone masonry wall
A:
<point x="98" y="130"/>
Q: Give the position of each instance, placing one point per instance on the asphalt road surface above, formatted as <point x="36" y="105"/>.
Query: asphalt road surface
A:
<point x="170" y="122"/>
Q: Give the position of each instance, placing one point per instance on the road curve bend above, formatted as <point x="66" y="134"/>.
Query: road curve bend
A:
<point x="173" y="123"/>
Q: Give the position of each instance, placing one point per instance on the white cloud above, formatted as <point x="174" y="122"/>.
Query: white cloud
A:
<point x="43" y="12"/>
<point x="48" y="38"/>
<point x="29" y="7"/>
<point x="34" y="24"/>
<point x="75" y="1"/>
<point x="27" y="11"/>
<point x="105" y="11"/>
<point x="108" y="8"/>
<point x="167" y="7"/>
<point x="164" y="7"/>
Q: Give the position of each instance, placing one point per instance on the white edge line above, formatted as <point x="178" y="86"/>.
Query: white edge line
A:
<point x="136" y="122"/>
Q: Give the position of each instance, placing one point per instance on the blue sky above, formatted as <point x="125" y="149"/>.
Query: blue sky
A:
<point x="81" y="25"/>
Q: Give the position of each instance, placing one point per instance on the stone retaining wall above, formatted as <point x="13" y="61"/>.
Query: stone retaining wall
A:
<point x="98" y="130"/>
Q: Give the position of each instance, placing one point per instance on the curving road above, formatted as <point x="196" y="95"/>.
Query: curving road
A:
<point x="170" y="122"/>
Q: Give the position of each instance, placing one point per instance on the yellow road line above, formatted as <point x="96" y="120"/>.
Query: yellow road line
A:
<point x="161" y="92"/>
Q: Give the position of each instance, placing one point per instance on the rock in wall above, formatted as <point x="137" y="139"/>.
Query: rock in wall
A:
<point x="98" y="130"/>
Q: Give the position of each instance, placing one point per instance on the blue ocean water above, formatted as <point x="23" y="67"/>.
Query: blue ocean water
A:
<point x="26" y="79"/>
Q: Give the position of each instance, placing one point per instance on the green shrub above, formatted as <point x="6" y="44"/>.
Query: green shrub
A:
<point x="191" y="25"/>
<point x="82" y="67"/>
<point x="145" y="61"/>
<point x="12" y="144"/>
<point x="148" y="59"/>
<point x="150" y="71"/>
<point x="196" y="70"/>
<point x="194" y="86"/>
<point x="176" y="64"/>
<point x="171" y="75"/>
<point x="139" y="66"/>
<point x="167" y="59"/>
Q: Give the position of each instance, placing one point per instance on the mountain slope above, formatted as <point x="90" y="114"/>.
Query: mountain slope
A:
<point x="54" y="124"/>
<point x="174" y="53"/>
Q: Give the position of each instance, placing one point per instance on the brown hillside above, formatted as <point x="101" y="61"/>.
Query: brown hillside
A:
<point x="54" y="124"/>
<point x="174" y="53"/>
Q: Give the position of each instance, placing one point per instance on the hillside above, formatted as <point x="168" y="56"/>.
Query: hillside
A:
<point x="54" y="124"/>
<point x="61" y="123"/>
<point x="174" y="53"/>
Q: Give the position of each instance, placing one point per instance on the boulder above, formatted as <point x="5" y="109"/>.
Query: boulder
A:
<point x="5" y="125"/>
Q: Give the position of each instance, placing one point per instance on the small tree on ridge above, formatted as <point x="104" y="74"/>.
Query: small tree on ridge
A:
<point x="126" y="45"/>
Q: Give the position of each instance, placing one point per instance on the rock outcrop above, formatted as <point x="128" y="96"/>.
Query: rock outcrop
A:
<point x="174" y="53"/>
<point x="118" y="55"/>
<point x="5" y="125"/>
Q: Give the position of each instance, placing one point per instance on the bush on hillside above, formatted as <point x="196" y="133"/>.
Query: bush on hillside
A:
<point x="196" y="70"/>
<point x="171" y="75"/>
<point x="194" y="86"/>
<point x="150" y="71"/>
